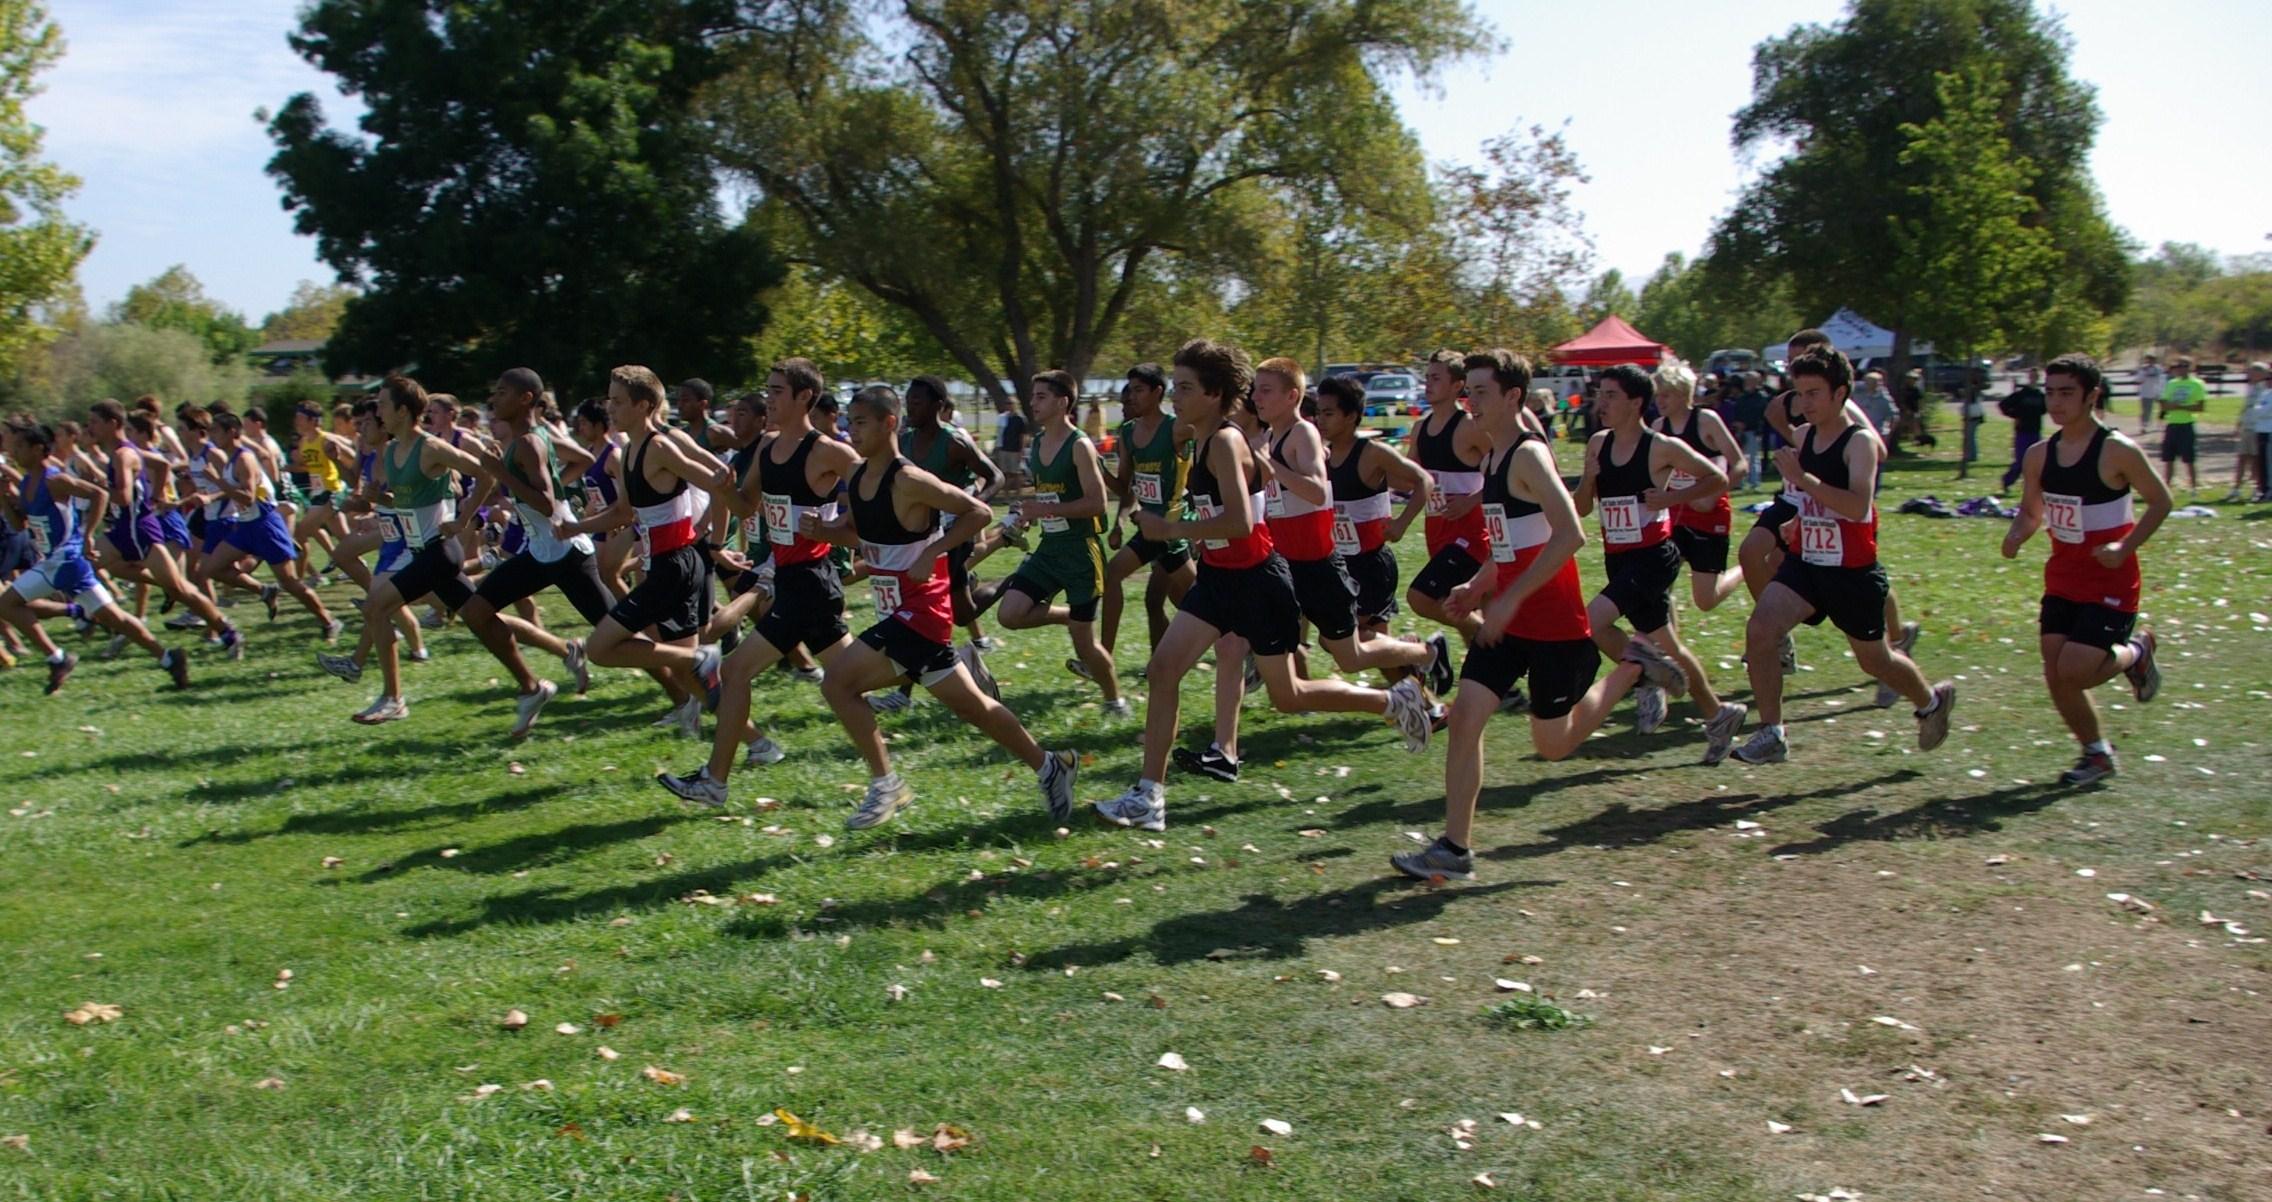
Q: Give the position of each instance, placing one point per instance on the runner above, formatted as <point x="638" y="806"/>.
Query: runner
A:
<point x="1629" y="476"/>
<point x="1700" y="528"/>
<point x="605" y="448"/>
<point x="135" y="544"/>
<point x="692" y="400"/>
<point x="2081" y="483"/>
<point x="1532" y="619"/>
<point x="744" y="558"/>
<point x="1362" y="471"/>
<point x="1450" y="447"/>
<point x="318" y="458"/>
<point x="1068" y="505"/>
<point x="797" y="474"/>
<point x="1244" y="588"/>
<point x="1830" y="486"/>
<point x="1149" y="476"/>
<point x="255" y="528"/>
<point x="384" y="533"/>
<point x="948" y="453"/>
<point x="47" y="503"/>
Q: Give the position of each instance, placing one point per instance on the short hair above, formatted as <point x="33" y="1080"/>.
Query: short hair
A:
<point x="2182" y="363"/>
<point x="803" y="376"/>
<point x="1828" y="364"/>
<point x="1297" y="380"/>
<point x="593" y="411"/>
<point x="752" y="401"/>
<point x="147" y="403"/>
<point x="1223" y="370"/>
<point x="194" y="417"/>
<point x="1675" y="378"/>
<point x="522" y="379"/>
<point x="698" y="387"/>
<point x="108" y="410"/>
<point x="936" y="387"/>
<point x="1344" y="393"/>
<point x="880" y="400"/>
<point x="1631" y="381"/>
<point x="143" y="424"/>
<point x="639" y="383"/>
<point x="225" y="420"/>
<point x="362" y="409"/>
<point x="2082" y="367"/>
<point x="1510" y="371"/>
<point x="1148" y="373"/>
<point x="308" y="410"/>
<point x="1805" y="340"/>
<point x="38" y="434"/>
<point x="1453" y="361"/>
<point x="342" y="410"/>
<point x="823" y="402"/>
<point x="254" y="413"/>
<point x="1542" y="396"/>
<point x="1060" y="382"/>
<point x="405" y="392"/>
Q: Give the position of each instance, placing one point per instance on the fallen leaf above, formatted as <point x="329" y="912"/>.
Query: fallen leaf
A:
<point x="1853" y="1099"/>
<point x="1193" y="1114"/>
<point x="988" y="983"/>
<point x="606" y="1022"/>
<point x="862" y="1141"/>
<point x="1506" y="986"/>
<point x="2048" y="1138"/>
<point x="1171" y="1062"/>
<point x="2080" y="1120"/>
<point x="1402" y="1001"/>
<point x="1110" y="996"/>
<point x="269" y="1083"/>
<point x="662" y="1076"/>
<point x="332" y="861"/>
<point x="799" y="1129"/>
<point x="1775" y="1128"/>
<point x="514" y="1020"/>
<point x="93" y="1012"/>
<point x="680" y="1115"/>
<point x="1261" y="1156"/>
<point x="574" y="1131"/>
<point x="896" y="992"/>
<point x="540" y="1085"/>
<point x="567" y="1029"/>
<point x="451" y="853"/>
<point x="607" y="1053"/>
<point x="1444" y="941"/>
<point x="1887" y="1020"/>
<point x="1311" y="833"/>
<point x="1279" y="1127"/>
<point x="919" y="1177"/>
<point x="21" y="1143"/>
<point x="483" y="1091"/>
<point x="949" y="1138"/>
<point x="906" y="1137"/>
<point x="1328" y="975"/>
<point x="1510" y="1118"/>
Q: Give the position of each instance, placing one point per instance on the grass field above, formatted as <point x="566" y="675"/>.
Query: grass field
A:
<point x="1747" y="943"/>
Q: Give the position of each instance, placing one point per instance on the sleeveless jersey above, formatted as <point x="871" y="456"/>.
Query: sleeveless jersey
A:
<point x="263" y="494"/>
<point x="1206" y="499"/>
<point x="1626" y="523"/>
<point x="1056" y="482"/>
<point x="936" y="458"/>
<point x="890" y="549"/>
<point x="313" y="465"/>
<point x="1825" y="539"/>
<point x="1300" y="530"/>
<point x="787" y="494"/>
<point x="200" y="472"/>
<point x="1157" y="467"/>
<point x="53" y="525"/>
<point x="1438" y="455"/>
<point x="597" y="481"/>
<point x="536" y="524"/>
<point x="2081" y="512"/>
<point x="665" y="520"/>
<point x="1717" y="515"/>
<point x="1518" y="530"/>
<point x="420" y="503"/>
<point x="1360" y="510"/>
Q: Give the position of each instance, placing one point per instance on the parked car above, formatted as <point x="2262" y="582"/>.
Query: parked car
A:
<point x="1391" y="392"/>
<point x="1731" y="359"/>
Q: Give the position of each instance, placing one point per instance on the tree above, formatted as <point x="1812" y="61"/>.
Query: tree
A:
<point x="175" y="300"/>
<point x="311" y="315"/>
<point x="125" y="360"/>
<point x="848" y="333"/>
<point x="529" y="185"/>
<point x="1685" y="307"/>
<point x="1824" y="217"/>
<point x="1522" y="238"/>
<point x="40" y="250"/>
<point x="1605" y="296"/>
<point x="1967" y="256"/>
<point x="1036" y="162"/>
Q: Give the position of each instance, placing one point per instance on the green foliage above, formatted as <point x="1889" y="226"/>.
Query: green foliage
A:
<point x="529" y="186"/>
<point x="1529" y="1012"/>
<point x="175" y="300"/>
<point x="1683" y="305"/>
<point x="849" y="333"/>
<point x="312" y="313"/>
<point x="1606" y="295"/>
<point x="125" y="360"/>
<point x="279" y="398"/>
<point x="2188" y="299"/>
<point x="39" y="249"/>
<point x="1051" y="156"/>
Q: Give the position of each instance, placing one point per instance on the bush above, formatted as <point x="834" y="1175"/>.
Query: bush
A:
<point x="123" y="361"/>
<point x="279" y="399"/>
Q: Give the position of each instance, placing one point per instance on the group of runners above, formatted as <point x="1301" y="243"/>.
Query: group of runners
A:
<point x="1261" y="512"/>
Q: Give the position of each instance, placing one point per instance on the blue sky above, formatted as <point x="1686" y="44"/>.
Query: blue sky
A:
<point x="153" y="108"/>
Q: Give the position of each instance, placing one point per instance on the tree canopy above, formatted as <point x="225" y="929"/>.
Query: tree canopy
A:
<point x="176" y="300"/>
<point x="40" y="249"/>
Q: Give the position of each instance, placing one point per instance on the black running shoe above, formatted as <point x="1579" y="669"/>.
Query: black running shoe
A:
<point x="60" y="671"/>
<point x="1211" y="762"/>
<point x="176" y="664"/>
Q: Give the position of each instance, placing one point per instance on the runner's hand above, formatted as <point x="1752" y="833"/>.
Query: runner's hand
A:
<point x="1787" y="463"/>
<point x="2111" y="555"/>
<point x="1112" y="537"/>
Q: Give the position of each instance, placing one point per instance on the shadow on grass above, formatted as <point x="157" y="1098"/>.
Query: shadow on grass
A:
<point x="1622" y="824"/>
<point x="530" y="851"/>
<point x="1264" y="927"/>
<point x="373" y="822"/>
<point x="556" y="904"/>
<point x="1428" y="809"/>
<point x="1941" y="818"/>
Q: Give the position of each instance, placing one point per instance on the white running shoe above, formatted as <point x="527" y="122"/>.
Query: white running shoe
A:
<point x="1933" y="727"/>
<point x="1765" y="746"/>
<point x="184" y="620"/>
<point x="1657" y="668"/>
<point x="885" y="798"/>
<point x="1058" y="771"/>
<point x="1788" y="654"/>
<point x="1117" y="708"/>
<point x="1139" y="808"/>
<point x="1649" y="709"/>
<point x="385" y="709"/>
<point x="1408" y="708"/>
<point x="890" y="701"/>
<point x="696" y="786"/>
<point x="688" y="717"/>
<point x="342" y="666"/>
<point x="764" y="751"/>
<point x="812" y="675"/>
<point x="1074" y="665"/>
<point x="1720" y="732"/>
<point x="986" y="642"/>
<point x="968" y="655"/>
<point x="530" y="705"/>
<point x="579" y="666"/>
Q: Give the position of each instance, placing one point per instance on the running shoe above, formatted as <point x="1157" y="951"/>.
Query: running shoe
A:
<point x="764" y="751"/>
<point x="1138" y="807"/>
<point x="2095" y="766"/>
<point x="890" y="701"/>
<point x="419" y="656"/>
<point x="1409" y="708"/>
<point x="332" y="630"/>
<point x="696" y="787"/>
<point x="1765" y="746"/>
<point x="2145" y="675"/>
<point x="184" y="620"/>
<point x="1013" y="532"/>
<point x="1933" y="725"/>
<point x="166" y="605"/>
<point x="530" y="705"/>
<point x="707" y="662"/>
<point x="1253" y="675"/>
<point x="1656" y="667"/>
<point x="689" y="718"/>
<point x="1720" y="732"/>
<point x="579" y="666"/>
<point x="1887" y="694"/>
<point x="233" y="642"/>
<point x="1515" y="701"/>
<point x="176" y="663"/>
<point x="111" y="649"/>
<point x="59" y="670"/>
<point x="1649" y="709"/>
<point x="986" y="642"/>
<point x="1074" y="665"/>
<point x="1788" y="654"/>
<point x="968" y="655"/>
<point x="812" y="675"/>
<point x="341" y="666"/>
<point x="885" y="798"/>
<point x="433" y="620"/>
<point x="1117" y="708"/>
<point x="1058" y="770"/>
<point x="268" y="595"/>
<point x="1441" y="677"/>
<point x="1211" y="763"/>
<point x="385" y="709"/>
<point x="1437" y="861"/>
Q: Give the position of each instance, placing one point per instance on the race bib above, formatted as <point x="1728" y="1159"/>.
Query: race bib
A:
<point x="887" y="593"/>
<point x="645" y="551"/>
<point x="1821" y="541"/>
<point x="1495" y="529"/>
<point x="1149" y="490"/>
<point x="753" y="530"/>
<point x="1203" y="508"/>
<point x="778" y="529"/>
<point x="1621" y="520"/>
<point x="1680" y="480"/>
<point x="1051" y="525"/>
<point x="41" y="542"/>
<point x="1345" y="535"/>
<point x="2064" y="515"/>
<point x="1273" y="499"/>
<point x="391" y="528"/>
<point x="1438" y="503"/>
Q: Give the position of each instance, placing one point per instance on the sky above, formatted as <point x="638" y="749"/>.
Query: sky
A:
<point x="153" y="108"/>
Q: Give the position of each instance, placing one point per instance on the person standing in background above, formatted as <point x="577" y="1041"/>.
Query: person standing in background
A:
<point x="2183" y="399"/>
<point x="1010" y="441"/>
<point x="2025" y="406"/>
<point x="2152" y="380"/>
<point x="2255" y="431"/>
<point x="1876" y="402"/>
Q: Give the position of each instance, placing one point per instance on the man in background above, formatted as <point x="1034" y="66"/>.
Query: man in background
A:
<point x="2025" y="406"/>
<point x="2152" y="380"/>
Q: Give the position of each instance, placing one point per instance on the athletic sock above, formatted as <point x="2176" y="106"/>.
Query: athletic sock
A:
<point x="1455" y="848"/>
<point x="1775" y="727"/>
<point x="59" y="656"/>
<point x="2098" y="747"/>
<point x="1930" y="706"/>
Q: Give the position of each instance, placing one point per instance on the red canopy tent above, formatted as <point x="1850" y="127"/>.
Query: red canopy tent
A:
<point x="1610" y="342"/>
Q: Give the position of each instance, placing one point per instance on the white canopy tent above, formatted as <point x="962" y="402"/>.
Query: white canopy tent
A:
<point x="1854" y="334"/>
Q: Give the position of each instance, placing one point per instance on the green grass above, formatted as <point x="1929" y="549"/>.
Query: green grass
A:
<point x="165" y="853"/>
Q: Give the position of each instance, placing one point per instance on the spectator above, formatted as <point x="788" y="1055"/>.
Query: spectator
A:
<point x="2183" y="399"/>
<point x="1975" y="413"/>
<point x="1010" y="440"/>
<point x="2152" y="380"/>
<point x="1876" y="403"/>
<point x="1749" y="414"/>
<point x="2256" y="428"/>
<point x="2026" y="407"/>
<point x="1092" y="422"/>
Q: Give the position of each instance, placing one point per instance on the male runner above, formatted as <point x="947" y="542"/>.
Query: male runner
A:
<point x="1700" y="528"/>
<point x="1149" y="477"/>
<point x="254" y="527"/>
<point x="1450" y="447"/>
<point x="1068" y="506"/>
<point x="2080" y="483"/>
<point x="47" y="504"/>
<point x="691" y="399"/>
<point x="1362" y="472"/>
<point x="1244" y="588"/>
<point x="318" y="458"/>
<point x="135" y="544"/>
<point x="950" y="456"/>
<point x="1830" y="485"/>
<point x="1628" y="477"/>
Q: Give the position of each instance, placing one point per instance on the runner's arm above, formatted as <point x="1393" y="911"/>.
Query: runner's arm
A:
<point x="970" y="513"/>
<point x="1384" y="465"/>
<point x="1852" y="502"/>
<point x="1534" y="472"/>
<point x="1583" y="498"/>
<point x="2030" y="517"/>
<point x="1090" y="504"/>
<point x="2139" y="473"/>
<point x="964" y="453"/>
<point x="1674" y="454"/>
<point x="95" y="495"/>
<point x="1718" y="437"/>
<point x="242" y="494"/>
<point x="1304" y="472"/>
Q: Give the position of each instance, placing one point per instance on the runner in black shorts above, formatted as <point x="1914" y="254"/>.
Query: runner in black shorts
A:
<point x="1149" y="476"/>
<point x="1700" y="528"/>
<point x="1450" y="446"/>
<point x="1363" y="472"/>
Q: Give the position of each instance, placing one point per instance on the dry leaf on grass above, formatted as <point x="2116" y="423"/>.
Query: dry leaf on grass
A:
<point x="949" y="1138"/>
<point x="1775" y="1128"/>
<point x="862" y="1141"/>
<point x="662" y="1076"/>
<point x="1261" y="1156"/>
<point x="567" y="1029"/>
<point x="988" y="983"/>
<point x="680" y="1115"/>
<point x="1402" y="1001"/>
<point x="20" y="1143"/>
<point x="1506" y="986"/>
<point x="1172" y="1062"/>
<point x="514" y="1020"/>
<point x="1193" y="1114"/>
<point x="2048" y="1138"/>
<point x="1853" y="1099"/>
<point x="269" y="1083"/>
<point x="1279" y="1127"/>
<point x="907" y="1137"/>
<point x="919" y="1177"/>
<point x="332" y="861"/>
<point x="606" y="1021"/>
<point x="607" y="1053"/>
<point x="799" y="1129"/>
<point x="896" y="992"/>
<point x="93" y="1012"/>
<point x="1328" y="975"/>
<point x="1484" y="1181"/>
